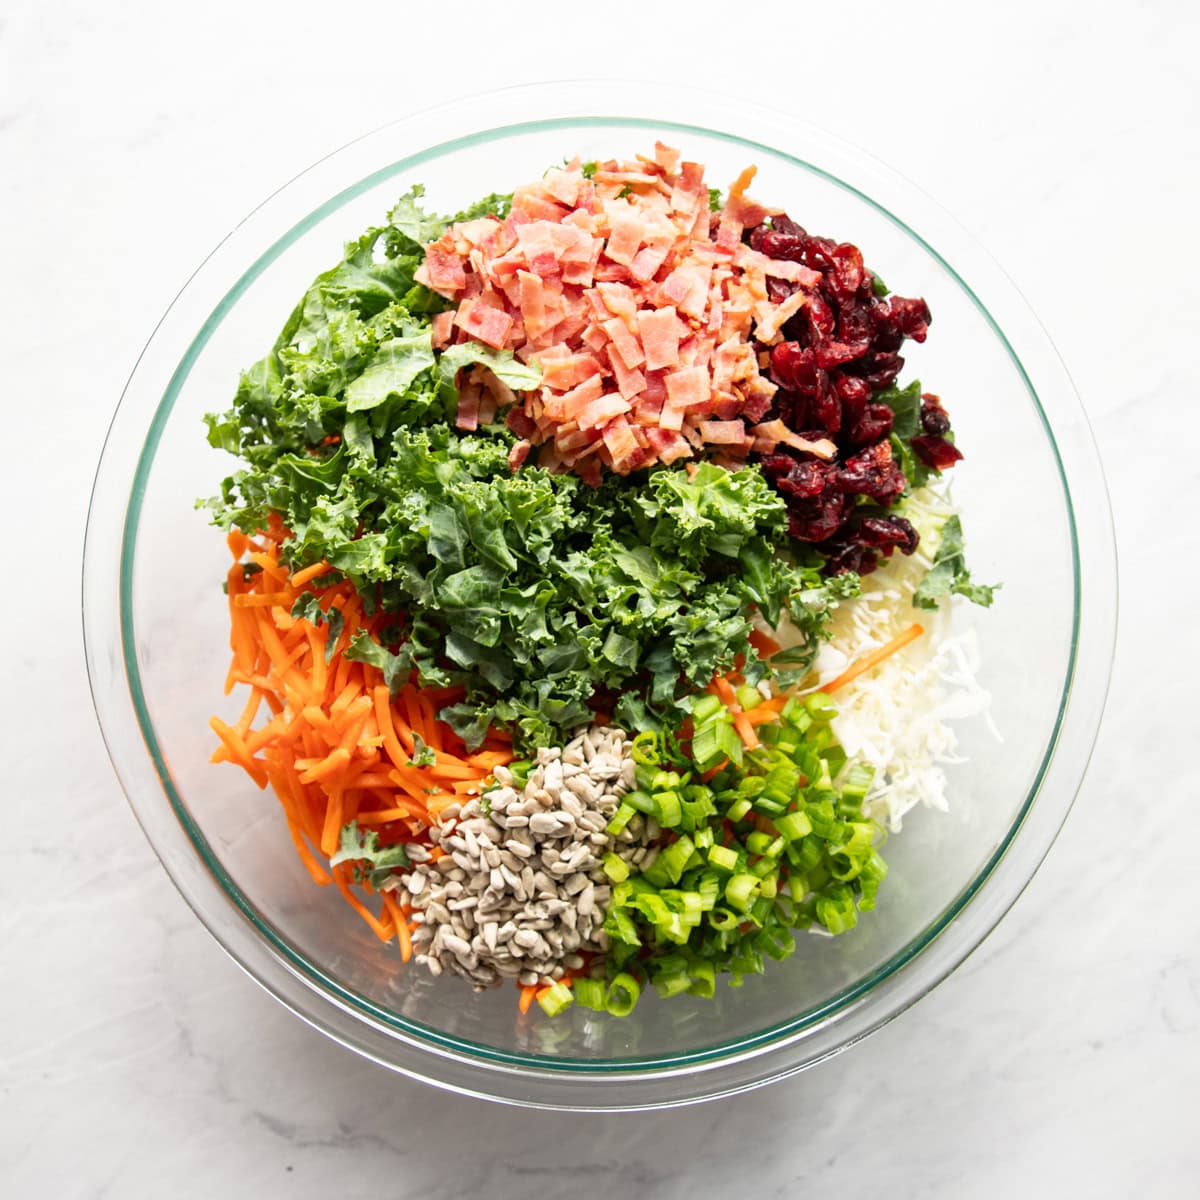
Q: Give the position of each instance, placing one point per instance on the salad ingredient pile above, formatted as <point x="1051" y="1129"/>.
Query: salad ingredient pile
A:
<point x="546" y="512"/>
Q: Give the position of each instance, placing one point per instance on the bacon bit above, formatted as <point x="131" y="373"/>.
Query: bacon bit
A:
<point x="723" y="433"/>
<point x="659" y="331"/>
<point x="519" y="453"/>
<point x="442" y="327"/>
<point x="770" y="435"/>
<point x="767" y="330"/>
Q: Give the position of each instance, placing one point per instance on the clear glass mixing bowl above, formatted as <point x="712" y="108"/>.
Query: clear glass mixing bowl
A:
<point x="1035" y="511"/>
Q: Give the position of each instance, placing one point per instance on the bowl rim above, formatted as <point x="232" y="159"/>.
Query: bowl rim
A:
<point x="415" y="1035"/>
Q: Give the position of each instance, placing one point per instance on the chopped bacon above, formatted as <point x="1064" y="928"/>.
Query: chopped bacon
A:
<point x="519" y="453"/>
<point x="723" y="433"/>
<point x="770" y="435"/>
<point x="640" y="322"/>
<point x="567" y="372"/>
<point x="659" y="331"/>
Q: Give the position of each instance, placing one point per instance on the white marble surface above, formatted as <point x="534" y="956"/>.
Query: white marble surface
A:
<point x="136" y="1060"/>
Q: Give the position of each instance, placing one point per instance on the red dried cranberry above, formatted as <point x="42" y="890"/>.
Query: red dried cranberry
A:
<point x="852" y="390"/>
<point x="846" y="556"/>
<point x="818" y="519"/>
<point x="872" y="472"/>
<point x="847" y="274"/>
<point x="934" y="418"/>
<point x="825" y="409"/>
<point x="935" y="452"/>
<point x="819" y="252"/>
<point x="820" y="317"/>
<point x="909" y="317"/>
<point x="834" y="354"/>
<point x="883" y="371"/>
<point x="886" y="534"/>
<point x="873" y="426"/>
<point x="792" y="365"/>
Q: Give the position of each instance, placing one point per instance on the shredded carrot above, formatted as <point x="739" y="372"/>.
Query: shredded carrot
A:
<point x="335" y="746"/>
<point x="309" y="574"/>
<point x="398" y="920"/>
<point x="873" y="659"/>
<point x="746" y="731"/>
<point x="766" y="646"/>
<point x="527" y="995"/>
<point x="236" y="746"/>
<point x="724" y="690"/>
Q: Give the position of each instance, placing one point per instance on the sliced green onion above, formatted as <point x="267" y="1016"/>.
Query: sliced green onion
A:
<point x="723" y="919"/>
<point x="820" y="706"/>
<point x="589" y="993"/>
<point x="704" y="980"/>
<point x="676" y="856"/>
<point x="777" y="942"/>
<point x="793" y="826"/>
<point x="737" y="811"/>
<point x="620" y="927"/>
<point x="622" y="996"/>
<point x="723" y="858"/>
<point x="706" y="707"/>
<point x="835" y="909"/>
<point x="758" y="842"/>
<point x="748" y="697"/>
<point x="556" y="999"/>
<point x="642" y="801"/>
<point x="620" y="819"/>
<point x="741" y="890"/>
<point x="668" y="984"/>
<point x="667" y="809"/>
<point x="645" y="749"/>
<point x="617" y="869"/>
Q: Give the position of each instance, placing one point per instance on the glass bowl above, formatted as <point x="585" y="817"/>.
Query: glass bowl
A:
<point x="1035" y="511"/>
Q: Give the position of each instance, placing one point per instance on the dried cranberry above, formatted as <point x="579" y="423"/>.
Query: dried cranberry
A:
<point x="871" y="472"/>
<point x="784" y="240"/>
<point x="886" y="533"/>
<point x="883" y="371"/>
<point x="818" y="519"/>
<point x="847" y="273"/>
<point x="819" y="253"/>
<point x="803" y="481"/>
<point x="846" y="556"/>
<point x="934" y="418"/>
<point x="825" y="409"/>
<point x="834" y="354"/>
<point x="792" y="365"/>
<point x="820" y="317"/>
<point x="873" y="425"/>
<point x="852" y="390"/>
<point x="909" y="317"/>
<point x="936" y="452"/>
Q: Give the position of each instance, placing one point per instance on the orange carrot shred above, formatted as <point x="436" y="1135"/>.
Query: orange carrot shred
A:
<point x="309" y="574"/>
<point x="868" y="661"/>
<point x="746" y="731"/>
